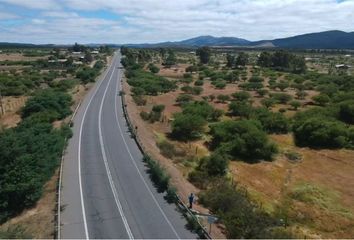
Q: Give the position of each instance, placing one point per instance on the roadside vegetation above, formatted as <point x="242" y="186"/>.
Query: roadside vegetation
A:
<point x="31" y="150"/>
<point x="226" y="108"/>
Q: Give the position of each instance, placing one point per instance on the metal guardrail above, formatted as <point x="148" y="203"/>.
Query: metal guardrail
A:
<point x="179" y="203"/>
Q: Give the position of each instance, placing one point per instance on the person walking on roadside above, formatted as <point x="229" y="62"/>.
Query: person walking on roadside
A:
<point x="191" y="200"/>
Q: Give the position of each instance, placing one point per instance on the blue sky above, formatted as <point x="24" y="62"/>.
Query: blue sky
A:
<point x="137" y="21"/>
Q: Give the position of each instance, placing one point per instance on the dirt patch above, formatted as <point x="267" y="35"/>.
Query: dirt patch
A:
<point x="12" y="106"/>
<point x="38" y="221"/>
<point x="18" y="57"/>
<point x="176" y="71"/>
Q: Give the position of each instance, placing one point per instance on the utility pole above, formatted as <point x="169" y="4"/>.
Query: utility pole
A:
<point x="2" y="106"/>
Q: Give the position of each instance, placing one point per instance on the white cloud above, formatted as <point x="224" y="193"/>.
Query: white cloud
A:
<point x="7" y="16"/>
<point x="34" y="4"/>
<point x="161" y="20"/>
<point x="59" y="14"/>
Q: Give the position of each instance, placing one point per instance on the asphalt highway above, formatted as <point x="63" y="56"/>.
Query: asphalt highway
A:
<point x="106" y="191"/>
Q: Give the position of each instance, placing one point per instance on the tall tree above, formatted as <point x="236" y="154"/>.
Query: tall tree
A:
<point x="204" y="54"/>
<point x="242" y="59"/>
<point x="230" y="60"/>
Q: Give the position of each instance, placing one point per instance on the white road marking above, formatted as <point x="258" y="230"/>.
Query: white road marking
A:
<point x="79" y="154"/>
<point x="133" y="161"/>
<point x="114" y="190"/>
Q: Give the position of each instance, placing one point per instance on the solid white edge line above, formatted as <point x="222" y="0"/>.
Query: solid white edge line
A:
<point x="109" y="175"/>
<point x="79" y="151"/>
<point x="133" y="161"/>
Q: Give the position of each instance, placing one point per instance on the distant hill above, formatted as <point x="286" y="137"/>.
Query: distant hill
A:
<point x="215" y="41"/>
<point x="322" y="40"/>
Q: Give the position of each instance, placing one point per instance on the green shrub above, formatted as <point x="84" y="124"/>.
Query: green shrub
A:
<point x="322" y="133"/>
<point x="157" y="174"/>
<point x="184" y="98"/>
<point x="240" y="109"/>
<point x="187" y="126"/>
<point x="50" y="101"/>
<point x="220" y="84"/>
<point x="272" y="122"/>
<point x="241" y="217"/>
<point x="171" y="195"/>
<point x="241" y="96"/>
<point x="281" y="97"/>
<point x="139" y="100"/>
<point x="167" y="149"/>
<point x="199" y="83"/>
<point x="145" y="115"/>
<point x="243" y="139"/>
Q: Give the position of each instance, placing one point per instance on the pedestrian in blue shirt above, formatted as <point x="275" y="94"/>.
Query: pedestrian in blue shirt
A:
<point x="191" y="200"/>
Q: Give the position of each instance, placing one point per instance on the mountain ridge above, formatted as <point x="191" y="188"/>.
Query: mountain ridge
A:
<point x="333" y="39"/>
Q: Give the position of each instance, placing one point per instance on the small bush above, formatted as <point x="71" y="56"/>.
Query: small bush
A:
<point x="140" y="100"/>
<point x="157" y="174"/>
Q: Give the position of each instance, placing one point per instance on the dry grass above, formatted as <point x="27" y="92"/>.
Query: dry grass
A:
<point x="18" y="57"/>
<point x="319" y="189"/>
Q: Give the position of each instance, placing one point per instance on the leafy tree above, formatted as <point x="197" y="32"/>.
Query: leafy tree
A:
<point x="283" y="85"/>
<point x="301" y="94"/>
<point x="281" y="97"/>
<point x="201" y="108"/>
<point x="240" y="109"/>
<point x="321" y="99"/>
<point x="295" y="104"/>
<point x="57" y="103"/>
<point x="230" y="60"/>
<point x="242" y="218"/>
<point x="241" y="96"/>
<point x="199" y="83"/>
<point x="153" y="68"/>
<point x="265" y="59"/>
<point x="262" y="92"/>
<point x="322" y="133"/>
<point x="346" y="111"/>
<point x="223" y="98"/>
<point x="184" y="98"/>
<point x="220" y="84"/>
<point x="187" y="126"/>
<point x="242" y="59"/>
<point x="251" y="86"/>
<point x="256" y="79"/>
<point x="204" y="54"/>
<point x="268" y="102"/>
<point x="192" y="68"/>
<point x="242" y="139"/>
<point x="272" y="122"/>
<point x="171" y="59"/>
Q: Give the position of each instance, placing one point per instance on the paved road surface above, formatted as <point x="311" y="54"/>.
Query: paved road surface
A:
<point x="106" y="192"/>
